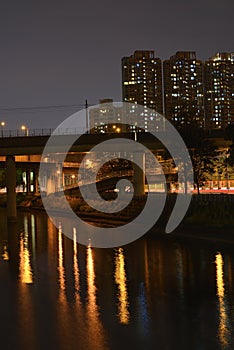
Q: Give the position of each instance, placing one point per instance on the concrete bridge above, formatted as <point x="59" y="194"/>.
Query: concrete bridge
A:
<point x="25" y="151"/>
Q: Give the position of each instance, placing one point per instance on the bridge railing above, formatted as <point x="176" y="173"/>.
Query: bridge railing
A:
<point x="41" y="132"/>
<point x="101" y="177"/>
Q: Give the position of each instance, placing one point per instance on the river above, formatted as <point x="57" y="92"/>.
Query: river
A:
<point x="155" y="293"/>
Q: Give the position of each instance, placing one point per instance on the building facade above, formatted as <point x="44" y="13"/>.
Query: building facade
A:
<point x="106" y="117"/>
<point x="184" y="89"/>
<point x="142" y="84"/>
<point x="219" y="90"/>
<point x="117" y="117"/>
<point x="142" y="80"/>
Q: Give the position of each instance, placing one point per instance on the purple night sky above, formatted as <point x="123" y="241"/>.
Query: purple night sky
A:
<point x="63" y="52"/>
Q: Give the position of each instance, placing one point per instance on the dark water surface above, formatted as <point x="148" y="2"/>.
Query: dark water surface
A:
<point x="156" y="293"/>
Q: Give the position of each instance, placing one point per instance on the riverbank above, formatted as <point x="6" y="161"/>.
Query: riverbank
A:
<point x="204" y="220"/>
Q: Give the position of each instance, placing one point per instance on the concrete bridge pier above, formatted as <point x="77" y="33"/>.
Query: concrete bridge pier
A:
<point x="139" y="173"/>
<point x="35" y="182"/>
<point x="11" y="185"/>
<point x="28" y="181"/>
<point x="50" y="185"/>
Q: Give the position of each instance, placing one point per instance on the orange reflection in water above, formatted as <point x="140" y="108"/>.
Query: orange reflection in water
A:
<point x="61" y="270"/>
<point x="95" y="330"/>
<point x="25" y="269"/>
<point x="64" y="315"/>
<point x="180" y="271"/>
<point x="5" y="254"/>
<point x="224" y="332"/>
<point x="27" y="320"/>
<point x="33" y="232"/>
<point x="76" y="267"/>
<point x="121" y="281"/>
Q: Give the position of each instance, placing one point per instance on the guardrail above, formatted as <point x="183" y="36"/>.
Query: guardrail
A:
<point x="210" y="197"/>
<point x="103" y="177"/>
<point x="41" y="132"/>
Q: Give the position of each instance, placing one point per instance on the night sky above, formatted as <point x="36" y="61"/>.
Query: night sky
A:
<point x="63" y="52"/>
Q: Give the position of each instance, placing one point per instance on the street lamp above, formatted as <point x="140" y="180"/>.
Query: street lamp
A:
<point x="227" y="173"/>
<point x="2" y="126"/>
<point x="135" y="131"/>
<point x="116" y="129"/>
<point x="73" y="179"/>
<point x="25" y="129"/>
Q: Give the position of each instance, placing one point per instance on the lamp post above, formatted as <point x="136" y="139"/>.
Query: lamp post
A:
<point x="227" y="173"/>
<point x="73" y="179"/>
<point x="116" y="129"/>
<point x="2" y="126"/>
<point x="135" y="131"/>
<point x="25" y="129"/>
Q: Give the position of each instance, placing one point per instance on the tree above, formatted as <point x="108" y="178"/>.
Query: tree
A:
<point x="229" y="135"/>
<point x="19" y="178"/>
<point x="202" y="152"/>
<point x="2" y="178"/>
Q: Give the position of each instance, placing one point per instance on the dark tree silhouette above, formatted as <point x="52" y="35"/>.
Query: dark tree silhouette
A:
<point x="202" y="152"/>
<point x="229" y="135"/>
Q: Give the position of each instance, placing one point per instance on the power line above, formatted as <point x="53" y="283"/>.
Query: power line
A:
<point x="41" y="108"/>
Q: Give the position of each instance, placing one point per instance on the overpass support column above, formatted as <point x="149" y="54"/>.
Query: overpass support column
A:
<point x="35" y="182"/>
<point x="139" y="173"/>
<point x="59" y="177"/>
<point x="50" y="185"/>
<point x="28" y="181"/>
<point x="11" y="185"/>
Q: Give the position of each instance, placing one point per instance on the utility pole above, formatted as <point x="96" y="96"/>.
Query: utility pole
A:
<point x="87" y="122"/>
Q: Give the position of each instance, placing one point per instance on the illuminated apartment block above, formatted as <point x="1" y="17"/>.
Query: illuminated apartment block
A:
<point x="219" y="90"/>
<point x="117" y="117"/>
<point x="106" y="117"/>
<point x="142" y="84"/>
<point x="184" y="89"/>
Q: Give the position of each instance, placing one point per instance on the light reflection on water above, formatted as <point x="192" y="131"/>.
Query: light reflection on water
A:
<point x="223" y="331"/>
<point x="154" y="293"/>
<point x="76" y="267"/>
<point x="61" y="270"/>
<point x="26" y="279"/>
<point x="95" y="331"/>
<point x="121" y="281"/>
<point x="5" y="254"/>
<point x="25" y="268"/>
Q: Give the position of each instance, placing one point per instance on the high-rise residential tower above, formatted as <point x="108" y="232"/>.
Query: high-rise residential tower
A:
<point x="142" y="80"/>
<point x="142" y="84"/>
<point x="219" y="90"/>
<point x="183" y="89"/>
